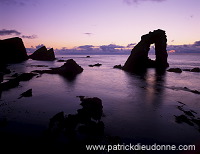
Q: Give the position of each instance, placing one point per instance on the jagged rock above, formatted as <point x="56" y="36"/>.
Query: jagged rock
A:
<point x="138" y="61"/>
<point x="176" y="70"/>
<point x="43" y="54"/>
<point x="69" y="69"/>
<point x="27" y="93"/>
<point x="12" y="50"/>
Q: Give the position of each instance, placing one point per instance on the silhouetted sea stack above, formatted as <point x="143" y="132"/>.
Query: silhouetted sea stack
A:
<point x="43" y="54"/>
<point x="69" y="69"/>
<point x="138" y="61"/>
<point x="12" y="50"/>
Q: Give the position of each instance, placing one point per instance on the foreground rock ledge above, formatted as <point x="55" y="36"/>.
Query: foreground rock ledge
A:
<point x="138" y="61"/>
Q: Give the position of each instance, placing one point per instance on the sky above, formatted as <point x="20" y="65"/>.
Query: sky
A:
<point x="99" y="24"/>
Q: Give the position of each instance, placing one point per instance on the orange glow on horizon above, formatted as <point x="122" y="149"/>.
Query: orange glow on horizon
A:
<point x="171" y="51"/>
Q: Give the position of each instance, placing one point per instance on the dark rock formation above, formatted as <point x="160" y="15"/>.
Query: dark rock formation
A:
<point x="27" y="93"/>
<point x="138" y="61"/>
<point x="176" y="70"/>
<point x="12" y="83"/>
<point x="70" y="68"/>
<point x="97" y="64"/>
<point x="82" y="128"/>
<point x="196" y="69"/>
<point x="118" y="66"/>
<point x="43" y="54"/>
<point x="61" y="60"/>
<point x="188" y="117"/>
<point x="1" y="77"/>
<point x="12" y="51"/>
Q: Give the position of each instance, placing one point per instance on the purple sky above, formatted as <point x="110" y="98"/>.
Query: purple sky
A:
<point x="72" y="23"/>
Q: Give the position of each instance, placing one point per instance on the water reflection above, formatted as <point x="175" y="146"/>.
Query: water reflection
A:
<point x="150" y="86"/>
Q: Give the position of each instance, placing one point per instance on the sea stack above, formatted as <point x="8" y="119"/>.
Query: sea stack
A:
<point x="12" y="50"/>
<point x="43" y="54"/>
<point x="138" y="61"/>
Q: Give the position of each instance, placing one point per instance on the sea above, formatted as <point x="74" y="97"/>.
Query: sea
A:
<point x="137" y="109"/>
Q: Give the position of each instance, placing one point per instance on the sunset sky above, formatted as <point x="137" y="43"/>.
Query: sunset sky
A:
<point x="73" y="23"/>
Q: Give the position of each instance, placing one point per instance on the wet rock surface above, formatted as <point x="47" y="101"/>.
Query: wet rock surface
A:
<point x="188" y="117"/>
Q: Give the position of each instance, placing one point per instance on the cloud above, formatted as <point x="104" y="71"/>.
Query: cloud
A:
<point x="186" y="48"/>
<point x="5" y="32"/>
<point x="131" y="45"/>
<point x="110" y="47"/>
<point x="129" y="2"/>
<point x="197" y="43"/>
<point x="89" y="34"/>
<point x="29" y="37"/>
<point x="9" y="32"/>
<point x="39" y="46"/>
<point x="86" y="47"/>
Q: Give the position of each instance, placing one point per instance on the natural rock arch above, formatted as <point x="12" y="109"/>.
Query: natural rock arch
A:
<point x="138" y="61"/>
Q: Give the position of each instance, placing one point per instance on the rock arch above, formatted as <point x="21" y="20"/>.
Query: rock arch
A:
<point x="138" y="61"/>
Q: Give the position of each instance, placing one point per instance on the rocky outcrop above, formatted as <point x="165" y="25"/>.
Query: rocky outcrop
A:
<point x="69" y="69"/>
<point x="85" y="126"/>
<point x="43" y="54"/>
<point x="12" y="83"/>
<point x="12" y="50"/>
<point x="138" y="61"/>
<point x="176" y="70"/>
<point x="196" y="69"/>
<point x="97" y="64"/>
<point x="27" y="93"/>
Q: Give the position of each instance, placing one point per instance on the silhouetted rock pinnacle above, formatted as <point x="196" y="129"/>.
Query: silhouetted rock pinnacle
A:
<point x="43" y="54"/>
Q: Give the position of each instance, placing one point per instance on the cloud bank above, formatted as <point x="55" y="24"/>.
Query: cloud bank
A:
<point x="6" y="32"/>
<point x="9" y="32"/>
<point x="118" y="49"/>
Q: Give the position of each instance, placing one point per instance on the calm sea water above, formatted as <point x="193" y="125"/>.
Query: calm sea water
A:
<point x="136" y="108"/>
